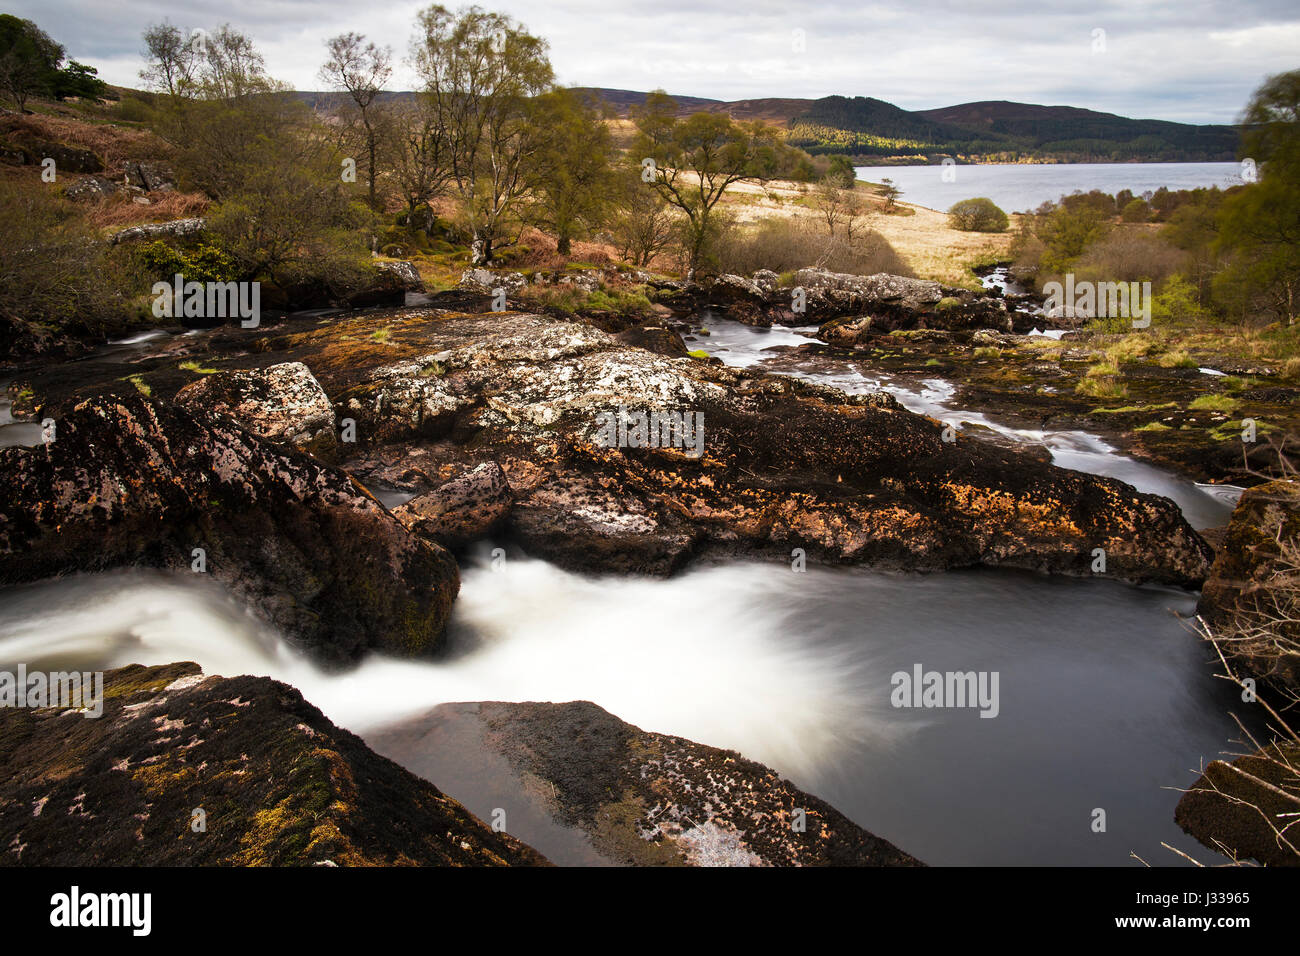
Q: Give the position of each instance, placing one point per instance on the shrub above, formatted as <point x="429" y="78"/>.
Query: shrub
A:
<point x="202" y="262"/>
<point x="787" y="245"/>
<point x="977" y="215"/>
<point x="1136" y="210"/>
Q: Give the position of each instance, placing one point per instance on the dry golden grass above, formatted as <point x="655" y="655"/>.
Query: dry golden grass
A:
<point x="118" y="212"/>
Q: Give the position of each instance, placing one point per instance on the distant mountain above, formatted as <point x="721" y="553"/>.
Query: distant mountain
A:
<point x="875" y="132"/>
<point x="1002" y="130"/>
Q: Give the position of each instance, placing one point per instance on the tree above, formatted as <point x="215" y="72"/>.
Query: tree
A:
<point x="360" y="70"/>
<point x="977" y="215"/>
<point x="643" y="223"/>
<point x="482" y="75"/>
<point x="170" y="59"/>
<point x="695" y="159"/>
<point x="77" y="79"/>
<point x="575" y="176"/>
<point x="840" y="209"/>
<point x="1259" y="224"/>
<point x="840" y="172"/>
<point x="419" y="152"/>
<point x="890" y="191"/>
<point x="29" y="60"/>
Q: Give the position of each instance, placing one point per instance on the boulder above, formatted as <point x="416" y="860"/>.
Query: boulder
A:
<point x="654" y="338"/>
<point x="1251" y="600"/>
<point x="151" y="177"/>
<point x="176" y="229"/>
<point x="280" y="403"/>
<point x="636" y="798"/>
<point x="1247" y="808"/>
<point x="91" y="188"/>
<point x="276" y="784"/>
<point x="392" y="280"/>
<point x="486" y="282"/>
<point x="465" y="509"/>
<point x="131" y="481"/>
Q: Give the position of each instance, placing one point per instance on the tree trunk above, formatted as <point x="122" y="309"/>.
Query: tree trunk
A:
<point x="563" y="245"/>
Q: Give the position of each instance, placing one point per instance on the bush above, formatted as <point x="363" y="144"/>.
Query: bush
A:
<point x="977" y="215"/>
<point x="203" y="262"/>
<point x="1136" y="211"/>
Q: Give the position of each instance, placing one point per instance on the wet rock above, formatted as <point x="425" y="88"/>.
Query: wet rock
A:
<point x="647" y="799"/>
<point x="132" y="481"/>
<point x="281" y="403"/>
<point x="276" y="782"/>
<point x="654" y="338"/>
<point x="1251" y="599"/>
<point x="1246" y="809"/>
<point x="67" y="159"/>
<point x="842" y="292"/>
<point x="462" y="510"/>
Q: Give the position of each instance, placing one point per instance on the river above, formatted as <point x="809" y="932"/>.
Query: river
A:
<point x="1106" y="701"/>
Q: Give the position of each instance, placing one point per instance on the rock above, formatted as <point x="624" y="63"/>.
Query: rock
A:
<point x="281" y="403"/>
<point x="278" y="784"/>
<point x="486" y="282"/>
<point x="1251" y="600"/>
<point x="151" y="177"/>
<point x="588" y="280"/>
<point x="1243" y="806"/>
<point x="460" y="511"/>
<point x="91" y="188"/>
<point x="176" y="229"/>
<point x="844" y="292"/>
<point x="67" y="159"/>
<point x="132" y="481"/>
<point x="645" y="799"/>
<point x="654" y="338"/>
<point x="392" y="280"/>
<point x="785" y="463"/>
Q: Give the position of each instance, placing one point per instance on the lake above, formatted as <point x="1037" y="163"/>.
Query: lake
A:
<point x="1020" y="188"/>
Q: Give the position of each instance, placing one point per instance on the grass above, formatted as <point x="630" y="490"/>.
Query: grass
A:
<point x="195" y="367"/>
<point x="988" y="352"/>
<point x="1176" y="359"/>
<point x="1101" y="386"/>
<point x="1214" y="403"/>
<point x="140" y="384"/>
<point x="1133" y="408"/>
<point x="381" y="335"/>
<point x="1104" y="369"/>
<point x="1154" y="427"/>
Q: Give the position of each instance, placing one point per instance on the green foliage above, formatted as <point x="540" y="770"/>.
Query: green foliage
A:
<point x="977" y="215"/>
<point x="200" y="262"/>
<point x="840" y="172"/>
<point x="29" y="60"/>
<point x="1176" y="301"/>
<point x="1136" y="210"/>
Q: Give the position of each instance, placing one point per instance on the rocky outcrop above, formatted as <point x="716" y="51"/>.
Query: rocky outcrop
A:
<point x="176" y="229"/>
<point x="852" y="307"/>
<point x="131" y="481"/>
<point x="785" y="464"/>
<point x="1251" y="599"/>
<point x="281" y="403"/>
<point x="1247" y="809"/>
<point x="150" y="177"/>
<point x="638" y="798"/>
<point x="67" y="159"/>
<point x="389" y="285"/>
<point x="185" y="770"/>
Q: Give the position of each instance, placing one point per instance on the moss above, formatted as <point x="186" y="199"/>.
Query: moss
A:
<point x="140" y="384"/>
<point x="192" y="366"/>
<point x="946" y="303"/>
<point x="698" y="354"/>
<point x="987" y="352"/>
<point x="1154" y="427"/>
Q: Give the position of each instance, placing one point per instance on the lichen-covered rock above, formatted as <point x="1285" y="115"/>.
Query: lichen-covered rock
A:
<point x="486" y="282"/>
<point x="281" y="403"/>
<point x="151" y="177"/>
<point x="647" y="799"/>
<point x="1247" y="809"/>
<point x="183" y="769"/>
<point x="131" y="481"/>
<point x="784" y="463"/>
<point x="90" y="188"/>
<point x="1251" y="599"/>
<point x="175" y="229"/>
<point x="654" y="338"/>
<point x="464" y="509"/>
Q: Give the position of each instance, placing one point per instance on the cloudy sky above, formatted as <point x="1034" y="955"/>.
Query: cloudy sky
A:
<point x="1186" y="60"/>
